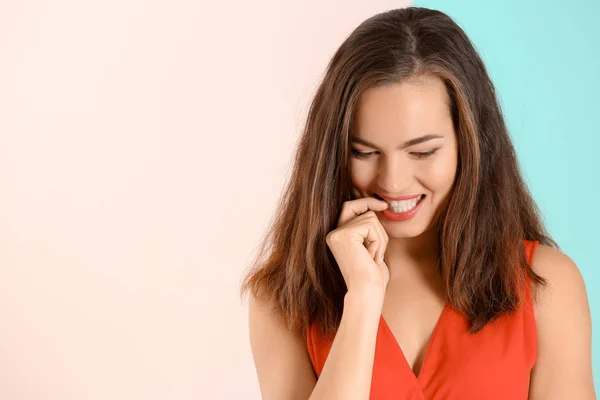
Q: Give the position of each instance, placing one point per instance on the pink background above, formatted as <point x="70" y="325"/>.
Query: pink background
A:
<point x="143" y="146"/>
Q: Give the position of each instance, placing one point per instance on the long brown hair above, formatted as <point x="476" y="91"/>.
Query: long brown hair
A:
<point x="489" y="213"/>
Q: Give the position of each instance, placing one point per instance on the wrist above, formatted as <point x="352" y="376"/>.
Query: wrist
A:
<point x="368" y="298"/>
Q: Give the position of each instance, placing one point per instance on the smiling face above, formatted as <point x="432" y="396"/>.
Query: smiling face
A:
<point x="404" y="145"/>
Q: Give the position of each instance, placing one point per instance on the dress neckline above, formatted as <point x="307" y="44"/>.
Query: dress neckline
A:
<point x="431" y="344"/>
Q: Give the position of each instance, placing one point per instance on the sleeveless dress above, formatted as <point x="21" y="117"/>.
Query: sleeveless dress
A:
<point x="493" y="364"/>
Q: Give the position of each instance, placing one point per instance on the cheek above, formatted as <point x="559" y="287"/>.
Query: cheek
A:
<point x="362" y="174"/>
<point x="439" y="175"/>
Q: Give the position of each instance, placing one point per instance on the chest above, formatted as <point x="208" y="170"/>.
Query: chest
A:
<point x="412" y="319"/>
<point x="494" y="363"/>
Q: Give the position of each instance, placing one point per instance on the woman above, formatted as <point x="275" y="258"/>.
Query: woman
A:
<point x="408" y="259"/>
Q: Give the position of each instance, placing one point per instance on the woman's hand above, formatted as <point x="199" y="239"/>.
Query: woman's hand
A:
<point x="359" y="243"/>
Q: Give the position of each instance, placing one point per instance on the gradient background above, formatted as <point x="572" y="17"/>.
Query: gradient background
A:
<point x="144" y="144"/>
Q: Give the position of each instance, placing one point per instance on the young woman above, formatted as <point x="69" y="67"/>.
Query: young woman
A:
<point x="408" y="259"/>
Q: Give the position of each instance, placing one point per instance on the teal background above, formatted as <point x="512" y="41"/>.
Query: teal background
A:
<point x="544" y="59"/>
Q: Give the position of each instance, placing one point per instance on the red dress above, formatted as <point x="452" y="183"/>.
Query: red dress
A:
<point x="493" y="364"/>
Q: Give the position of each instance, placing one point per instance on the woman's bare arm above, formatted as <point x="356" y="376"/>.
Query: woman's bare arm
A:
<point x="283" y="365"/>
<point x="564" y="332"/>
<point x="280" y="356"/>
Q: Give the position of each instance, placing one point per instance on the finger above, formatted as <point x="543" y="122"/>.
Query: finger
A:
<point x="372" y="248"/>
<point x="382" y="257"/>
<point x="353" y="208"/>
<point x="384" y="238"/>
<point x="366" y="232"/>
<point x="385" y="271"/>
<point x="385" y="261"/>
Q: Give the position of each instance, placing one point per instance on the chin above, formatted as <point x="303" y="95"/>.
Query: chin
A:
<point x="404" y="230"/>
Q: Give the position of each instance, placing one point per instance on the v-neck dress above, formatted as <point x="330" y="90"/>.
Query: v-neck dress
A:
<point x="493" y="364"/>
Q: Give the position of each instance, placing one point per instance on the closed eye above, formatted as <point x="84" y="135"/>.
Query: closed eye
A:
<point x="362" y="155"/>
<point x="425" y="153"/>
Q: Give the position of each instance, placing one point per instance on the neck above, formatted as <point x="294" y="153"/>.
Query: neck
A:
<point x="413" y="258"/>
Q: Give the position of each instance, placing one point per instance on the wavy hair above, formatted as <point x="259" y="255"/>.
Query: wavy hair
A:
<point x="490" y="211"/>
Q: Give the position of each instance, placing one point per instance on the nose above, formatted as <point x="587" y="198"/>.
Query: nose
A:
<point x="394" y="176"/>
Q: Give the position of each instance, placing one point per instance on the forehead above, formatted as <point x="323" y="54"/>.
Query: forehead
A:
<point x="406" y="108"/>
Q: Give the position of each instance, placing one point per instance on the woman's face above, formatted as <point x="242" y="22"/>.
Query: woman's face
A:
<point x="404" y="145"/>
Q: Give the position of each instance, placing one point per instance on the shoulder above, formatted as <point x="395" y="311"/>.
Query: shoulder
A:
<point x="565" y="291"/>
<point x="280" y="355"/>
<point x="563" y="326"/>
<point x="565" y="285"/>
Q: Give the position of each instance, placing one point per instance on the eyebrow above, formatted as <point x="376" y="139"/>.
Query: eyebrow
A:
<point x="409" y="143"/>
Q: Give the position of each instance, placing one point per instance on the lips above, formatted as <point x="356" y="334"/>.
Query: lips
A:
<point x="407" y="197"/>
<point x="391" y="215"/>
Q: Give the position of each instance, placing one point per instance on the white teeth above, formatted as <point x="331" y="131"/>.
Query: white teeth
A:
<point x="403" y="205"/>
